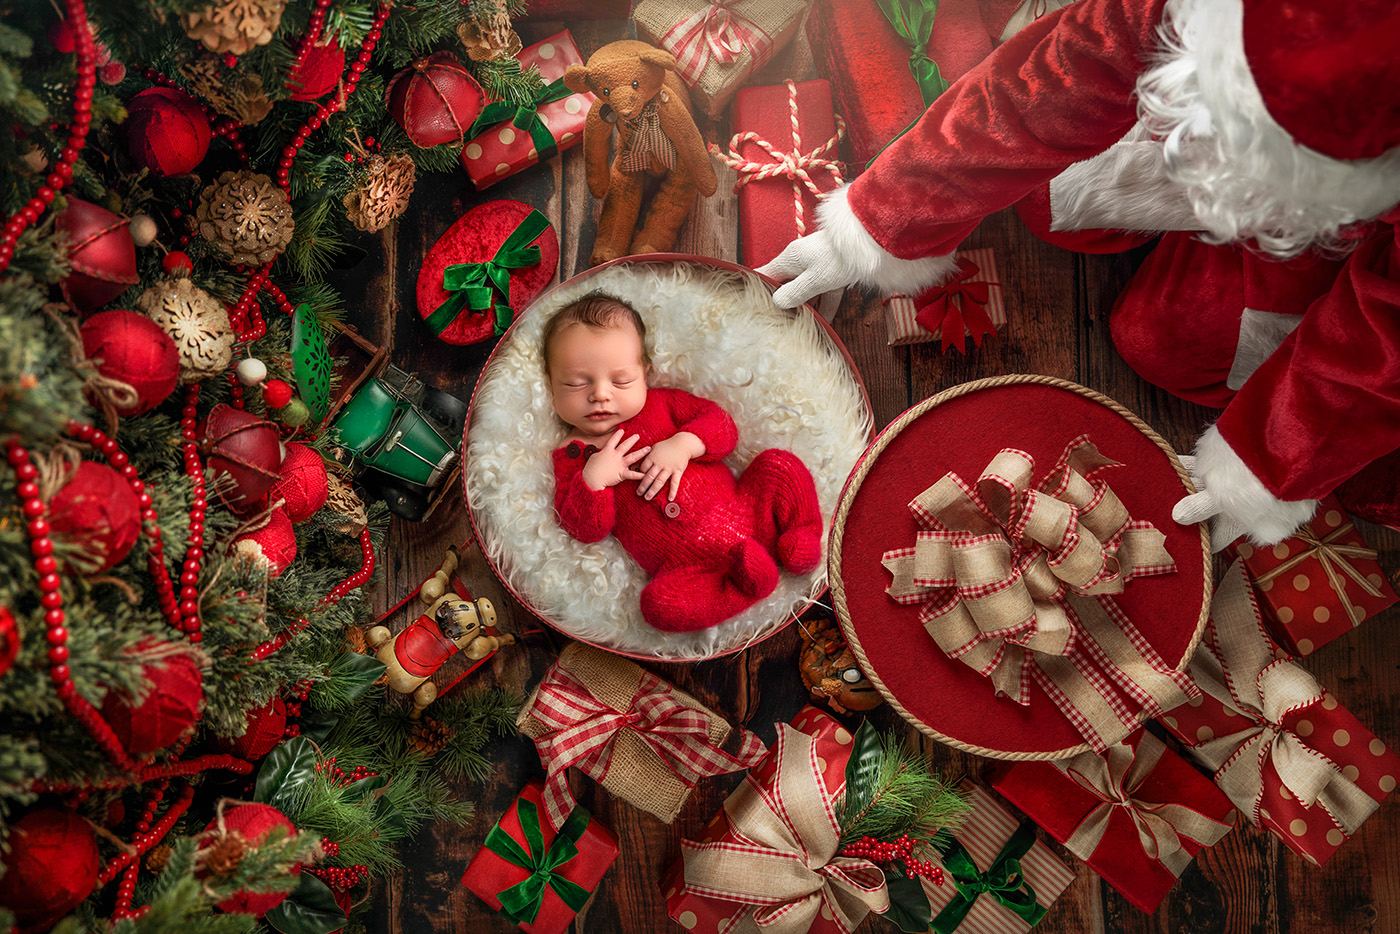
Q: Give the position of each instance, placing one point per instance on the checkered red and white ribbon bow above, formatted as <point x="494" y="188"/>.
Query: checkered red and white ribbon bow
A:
<point x="583" y="730"/>
<point x="715" y="31"/>
<point x="793" y="164"/>
<point x="1016" y="582"/>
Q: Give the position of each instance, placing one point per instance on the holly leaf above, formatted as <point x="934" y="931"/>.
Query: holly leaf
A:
<point x="316" y="725"/>
<point x="310" y="908"/>
<point x="909" y="907"/>
<point x="311" y="362"/>
<point x="361" y="788"/>
<point x="284" y="772"/>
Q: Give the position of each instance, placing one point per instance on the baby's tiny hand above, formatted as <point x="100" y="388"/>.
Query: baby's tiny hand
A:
<point x="613" y="462"/>
<point x="667" y="464"/>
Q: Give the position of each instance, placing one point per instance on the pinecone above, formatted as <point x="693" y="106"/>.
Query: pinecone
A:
<point x="223" y="854"/>
<point x="246" y="216"/>
<point x="196" y="321"/>
<point x="429" y="736"/>
<point x="384" y="194"/>
<point x="343" y="501"/>
<point x="355" y="640"/>
<point x="489" y="37"/>
<point x="241" y="98"/>
<point x="235" y="26"/>
<point x="158" y="856"/>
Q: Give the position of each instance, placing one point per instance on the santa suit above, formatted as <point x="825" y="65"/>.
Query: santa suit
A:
<point x="1049" y="122"/>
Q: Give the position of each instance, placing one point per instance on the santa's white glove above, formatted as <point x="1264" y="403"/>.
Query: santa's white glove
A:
<point x="1233" y="499"/>
<point x="812" y="265"/>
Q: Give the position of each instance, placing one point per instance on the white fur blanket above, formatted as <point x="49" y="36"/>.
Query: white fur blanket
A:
<point x="714" y="333"/>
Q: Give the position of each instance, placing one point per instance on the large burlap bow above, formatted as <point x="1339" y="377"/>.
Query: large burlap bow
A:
<point x="583" y="729"/>
<point x="1335" y="557"/>
<point x="715" y="31"/>
<point x="1115" y="778"/>
<point x="1017" y="582"/>
<point x="784" y="862"/>
<point x="1238" y="668"/>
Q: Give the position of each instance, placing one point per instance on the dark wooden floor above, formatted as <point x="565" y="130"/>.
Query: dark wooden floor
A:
<point x="1058" y="305"/>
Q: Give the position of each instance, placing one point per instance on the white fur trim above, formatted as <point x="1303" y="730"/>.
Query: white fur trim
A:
<point x="863" y="260"/>
<point x="1261" y="333"/>
<point x="1027" y="13"/>
<point x="1241" y="497"/>
<point x="1245" y="175"/>
<point x="1125" y="187"/>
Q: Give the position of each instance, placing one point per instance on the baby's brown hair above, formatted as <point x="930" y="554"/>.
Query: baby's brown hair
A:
<point x="597" y="310"/>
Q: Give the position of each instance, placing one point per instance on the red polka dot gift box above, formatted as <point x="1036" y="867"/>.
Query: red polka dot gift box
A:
<point x="1318" y="585"/>
<point x="508" y="137"/>
<point x="1292" y="759"/>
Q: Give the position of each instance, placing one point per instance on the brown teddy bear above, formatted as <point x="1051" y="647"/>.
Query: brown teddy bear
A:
<point x="637" y="89"/>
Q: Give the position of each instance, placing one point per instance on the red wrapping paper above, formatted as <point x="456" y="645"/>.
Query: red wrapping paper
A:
<point x="699" y="913"/>
<point x="768" y="215"/>
<point x="1059" y="804"/>
<point x="1303" y="607"/>
<point x="488" y="873"/>
<point x="505" y="149"/>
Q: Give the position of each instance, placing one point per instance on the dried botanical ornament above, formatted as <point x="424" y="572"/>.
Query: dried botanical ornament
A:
<point x="489" y="37"/>
<point x="235" y="26"/>
<point x="196" y="321"/>
<point x="384" y="193"/>
<point x="238" y="95"/>
<point x="246" y="217"/>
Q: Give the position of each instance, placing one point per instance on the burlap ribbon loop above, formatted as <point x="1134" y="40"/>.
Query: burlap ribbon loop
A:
<point x="584" y="729"/>
<point x="1015" y="582"/>
<point x="715" y="32"/>
<point x="784" y="862"/>
<point x="1239" y="669"/>
<point x="1335" y="557"/>
<point x="1116" y="778"/>
<point x="958" y="307"/>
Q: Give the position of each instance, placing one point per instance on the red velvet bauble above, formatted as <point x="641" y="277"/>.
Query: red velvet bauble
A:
<point x="304" y="485"/>
<point x="166" y="131"/>
<point x="277" y="393"/>
<point x="132" y="348"/>
<point x="474" y="238"/>
<point x="98" y="511"/>
<point x="171" y="706"/>
<point x="254" y="822"/>
<point x="244" y="448"/>
<point x="51" y="867"/>
<point x="272" y="546"/>
<point x="265" y="727"/>
<point x="435" y="100"/>
<point x="101" y="252"/>
<point x="318" y="73"/>
<point x="9" y="639"/>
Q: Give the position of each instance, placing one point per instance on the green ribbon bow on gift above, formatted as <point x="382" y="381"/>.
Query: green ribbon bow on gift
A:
<point x="1003" y="880"/>
<point x="520" y="904"/>
<point x="913" y="20"/>
<point x="523" y="115"/>
<point x="472" y="285"/>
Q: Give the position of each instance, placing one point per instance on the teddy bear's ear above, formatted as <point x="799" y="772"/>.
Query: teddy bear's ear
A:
<point x="576" y="79"/>
<point x="660" y="58"/>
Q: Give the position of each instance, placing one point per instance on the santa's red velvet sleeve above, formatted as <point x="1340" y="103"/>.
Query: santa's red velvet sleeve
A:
<point x="702" y="418"/>
<point x="587" y="515"/>
<point x="1327" y="402"/>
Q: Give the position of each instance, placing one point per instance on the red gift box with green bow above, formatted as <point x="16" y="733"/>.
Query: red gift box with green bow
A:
<point x="535" y="878"/>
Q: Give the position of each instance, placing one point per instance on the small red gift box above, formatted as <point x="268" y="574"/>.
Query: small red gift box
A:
<point x="1293" y="759"/>
<point x="507" y="138"/>
<point x="1111" y="810"/>
<point x="785" y="155"/>
<point x="832" y="745"/>
<point x="969" y="305"/>
<point x="1319" y="584"/>
<point x="534" y="877"/>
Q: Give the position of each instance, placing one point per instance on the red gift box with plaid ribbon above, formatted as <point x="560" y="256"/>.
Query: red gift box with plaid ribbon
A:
<point x="1320" y="584"/>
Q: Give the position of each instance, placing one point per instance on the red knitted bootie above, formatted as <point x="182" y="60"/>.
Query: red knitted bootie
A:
<point x="691" y="598"/>
<point x="787" y="512"/>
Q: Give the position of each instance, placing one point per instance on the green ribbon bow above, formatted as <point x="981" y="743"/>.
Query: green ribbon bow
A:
<point x="520" y="904"/>
<point x="913" y="20"/>
<point x="523" y="115"/>
<point x="1003" y="880"/>
<point x="472" y="285"/>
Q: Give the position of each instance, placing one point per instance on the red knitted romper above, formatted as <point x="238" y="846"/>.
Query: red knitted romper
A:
<point x="714" y="551"/>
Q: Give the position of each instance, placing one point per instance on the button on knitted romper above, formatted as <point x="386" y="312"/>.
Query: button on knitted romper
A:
<point x="715" y="551"/>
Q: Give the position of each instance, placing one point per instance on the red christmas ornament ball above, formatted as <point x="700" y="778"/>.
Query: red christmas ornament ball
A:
<point x="9" y="639"/>
<point x="51" y="866"/>
<point x="61" y="37"/>
<point x="254" y="822"/>
<point x="132" y="348"/>
<point x="166" y="131"/>
<point x="177" y="263"/>
<point x="171" y="706"/>
<point x="264" y="730"/>
<point x="246" y="449"/>
<point x="98" y="511"/>
<point x="276" y="393"/>
<point x="273" y="546"/>
<point x="318" y="73"/>
<point x="304" y="484"/>
<point x="101" y="253"/>
<point x="434" y="99"/>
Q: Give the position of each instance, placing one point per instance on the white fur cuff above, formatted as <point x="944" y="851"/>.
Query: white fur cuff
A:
<point x="1241" y="497"/>
<point x="1125" y="187"/>
<point x="870" y="264"/>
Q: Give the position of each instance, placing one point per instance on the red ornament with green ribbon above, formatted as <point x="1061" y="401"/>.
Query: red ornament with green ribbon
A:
<point x="496" y="258"/>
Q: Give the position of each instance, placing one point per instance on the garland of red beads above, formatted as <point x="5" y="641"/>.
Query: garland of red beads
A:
<point x="338" y="593"/>
<point x="76" y="14"/>
<point x="145" y="837"/>
<point x="313" y="32"/>
<point x="901" y="848"/>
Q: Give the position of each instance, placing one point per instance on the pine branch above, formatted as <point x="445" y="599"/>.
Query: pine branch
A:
<point x="903" y="795"/>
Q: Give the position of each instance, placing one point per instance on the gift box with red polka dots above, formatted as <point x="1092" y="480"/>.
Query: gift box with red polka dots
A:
<point x="1318" y="585"/>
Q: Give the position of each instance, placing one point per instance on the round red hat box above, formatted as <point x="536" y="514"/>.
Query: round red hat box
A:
<point x="474" y="238"/>
<point x="961" y="429"/>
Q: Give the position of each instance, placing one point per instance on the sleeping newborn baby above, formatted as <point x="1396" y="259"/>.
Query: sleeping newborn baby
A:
<point x="646" y="465"/>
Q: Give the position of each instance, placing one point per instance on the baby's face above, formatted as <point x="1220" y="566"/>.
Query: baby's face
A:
<point x="597" y="376"/>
